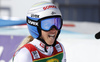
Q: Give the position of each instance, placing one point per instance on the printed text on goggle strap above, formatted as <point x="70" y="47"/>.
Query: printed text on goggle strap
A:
<point x="33" y="23"/>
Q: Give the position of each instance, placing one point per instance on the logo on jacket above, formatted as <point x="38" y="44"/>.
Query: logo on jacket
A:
<point x="58" y="47"/>
<point x="53" y="60"/>
<point x="35" y="54"/>
<point x="43" y="45"/>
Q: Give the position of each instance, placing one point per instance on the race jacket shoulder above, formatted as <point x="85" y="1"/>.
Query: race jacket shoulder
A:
<point x="36" y="56"/>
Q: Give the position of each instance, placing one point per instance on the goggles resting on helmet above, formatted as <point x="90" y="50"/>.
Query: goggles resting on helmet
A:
<point x="46" y="23"/>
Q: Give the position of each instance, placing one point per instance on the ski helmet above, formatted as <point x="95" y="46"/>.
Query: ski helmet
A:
<point x="40" y="11"/>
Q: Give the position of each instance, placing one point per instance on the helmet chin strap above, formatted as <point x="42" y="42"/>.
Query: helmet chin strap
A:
<point x="47" y="44"/>
<point x="42" y="40"/>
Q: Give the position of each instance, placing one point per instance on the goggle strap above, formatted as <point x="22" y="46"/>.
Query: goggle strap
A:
<point x="32" y="22"/>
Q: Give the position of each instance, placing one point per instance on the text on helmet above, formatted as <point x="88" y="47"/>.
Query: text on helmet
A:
<point x="48" y="7"/>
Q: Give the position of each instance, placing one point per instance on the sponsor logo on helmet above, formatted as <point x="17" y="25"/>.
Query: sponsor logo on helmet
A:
<point x="53" y="13"/>
<point x="34" y="15"/>
<point x="53" y="60"/>
<point x="48" y="7"/>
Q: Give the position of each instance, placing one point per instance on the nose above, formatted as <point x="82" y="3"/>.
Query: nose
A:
<point x="53" y="29"/>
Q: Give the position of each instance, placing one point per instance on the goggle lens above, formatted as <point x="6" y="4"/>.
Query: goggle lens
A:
<point x="47" y="24"/>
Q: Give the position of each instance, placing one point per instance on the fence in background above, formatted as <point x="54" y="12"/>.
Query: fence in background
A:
<point x="76" y="10"/>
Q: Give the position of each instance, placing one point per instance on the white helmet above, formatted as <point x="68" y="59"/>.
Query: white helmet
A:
<point x="43" y="9"/>
<point x="38" y="11"/>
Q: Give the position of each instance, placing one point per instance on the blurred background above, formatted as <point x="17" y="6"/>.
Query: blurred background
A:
<point x="81" y="23"/>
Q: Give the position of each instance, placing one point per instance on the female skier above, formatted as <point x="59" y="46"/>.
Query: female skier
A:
<point x="44" y="22"/>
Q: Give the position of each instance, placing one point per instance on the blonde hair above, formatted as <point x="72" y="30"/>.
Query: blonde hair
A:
<point x="25" y="41"/>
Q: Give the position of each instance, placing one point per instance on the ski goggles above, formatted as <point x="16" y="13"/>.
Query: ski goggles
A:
<point x="47" y="23"/>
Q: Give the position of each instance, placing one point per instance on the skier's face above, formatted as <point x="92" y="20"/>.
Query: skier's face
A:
<point x="49" y="36"/>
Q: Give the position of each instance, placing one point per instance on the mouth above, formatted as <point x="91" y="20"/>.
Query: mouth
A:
<point x="52" y="36"/>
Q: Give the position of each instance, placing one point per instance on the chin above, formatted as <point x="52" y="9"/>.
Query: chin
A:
<point x="50" y="43"/>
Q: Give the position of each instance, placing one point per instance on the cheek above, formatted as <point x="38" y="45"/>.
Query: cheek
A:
<point x="44" y="34"/>
<point x="56" y="33"/>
